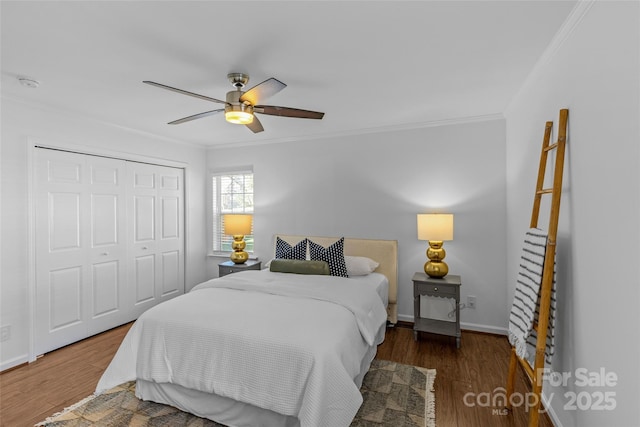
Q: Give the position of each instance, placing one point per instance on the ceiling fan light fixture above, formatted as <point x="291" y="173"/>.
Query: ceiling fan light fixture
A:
<point x="239" y="114"/>
<point x="238" y="117"/>
<point x="239" y="105"/>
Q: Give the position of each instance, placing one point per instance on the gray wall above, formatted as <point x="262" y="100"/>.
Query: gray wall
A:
<point x="373" y="185"/>
<point x="594" y="73"/>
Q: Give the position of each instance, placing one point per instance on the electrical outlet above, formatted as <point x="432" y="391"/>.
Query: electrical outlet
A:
<point x="5" y="333"/>
<point x="471" y="301"/>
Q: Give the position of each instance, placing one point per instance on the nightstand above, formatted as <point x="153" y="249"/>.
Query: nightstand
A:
<point x="229" y="267"/>
<point x="447" y="287"/>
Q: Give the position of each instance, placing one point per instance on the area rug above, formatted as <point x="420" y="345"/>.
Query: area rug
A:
<point x="394" y="395"/>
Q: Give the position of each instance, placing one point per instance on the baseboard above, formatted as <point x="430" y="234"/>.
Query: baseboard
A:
<point x="464" y="326"/>
<point x="12" y="363"/>
<point x="552" y="414"/>
<point x="484" y="328"/>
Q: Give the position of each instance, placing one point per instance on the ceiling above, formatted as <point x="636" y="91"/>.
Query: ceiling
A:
<point x="369" y="65"/>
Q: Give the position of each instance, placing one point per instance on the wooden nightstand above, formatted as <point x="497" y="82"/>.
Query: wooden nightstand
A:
<point x="229" y="267"/>
<point x="448" y="287"/>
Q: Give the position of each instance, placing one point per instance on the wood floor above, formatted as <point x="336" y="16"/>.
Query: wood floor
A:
<point x="30" y="393"/>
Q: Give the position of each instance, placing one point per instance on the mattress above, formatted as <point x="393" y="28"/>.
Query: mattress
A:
<point x="225" y="410"/>
<point x="293" y="345"/>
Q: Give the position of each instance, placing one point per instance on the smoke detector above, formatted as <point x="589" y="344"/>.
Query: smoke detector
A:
<point x="26" y="82"/>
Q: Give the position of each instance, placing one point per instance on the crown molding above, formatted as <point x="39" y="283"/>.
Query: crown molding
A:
<point x="247" y="143"/>
<point x="87" y="117"/>
<point x="364" y="131"/>
<point x="576" y="16"/>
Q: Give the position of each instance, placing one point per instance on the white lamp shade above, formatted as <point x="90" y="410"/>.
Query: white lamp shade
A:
<point x="435" y="226"/>
<point x="237" y="224"/>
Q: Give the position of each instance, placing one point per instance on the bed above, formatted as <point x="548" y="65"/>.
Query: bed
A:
<point x="265" y="348"/>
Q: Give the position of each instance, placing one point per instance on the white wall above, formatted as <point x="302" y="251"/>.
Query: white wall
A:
<point x="20" y="124"/>
<point x="373" y="185"/>
<point x="594" y="73"/>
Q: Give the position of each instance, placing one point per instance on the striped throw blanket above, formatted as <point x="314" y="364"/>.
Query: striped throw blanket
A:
<point x="526" y="301"/>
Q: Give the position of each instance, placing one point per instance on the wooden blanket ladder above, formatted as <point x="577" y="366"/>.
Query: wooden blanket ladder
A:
<point x="535" y="373"/>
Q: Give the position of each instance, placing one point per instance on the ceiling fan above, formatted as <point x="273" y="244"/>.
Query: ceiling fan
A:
<point x="240" y="106"/>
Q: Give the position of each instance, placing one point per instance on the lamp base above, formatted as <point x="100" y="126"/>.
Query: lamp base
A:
<point x="436" y="267"/>
<point x="239" y="256"/>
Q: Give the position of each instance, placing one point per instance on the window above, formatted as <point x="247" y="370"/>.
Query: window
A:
<point x="232" y="193"/>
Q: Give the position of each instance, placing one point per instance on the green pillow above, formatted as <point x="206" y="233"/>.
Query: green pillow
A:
<point x="299" y="266"/>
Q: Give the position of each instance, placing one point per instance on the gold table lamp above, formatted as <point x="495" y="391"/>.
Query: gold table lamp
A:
<point x="238" y="226"/>
<point x="436" y="228"/>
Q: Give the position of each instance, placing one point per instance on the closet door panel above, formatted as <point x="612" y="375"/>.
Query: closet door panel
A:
<point x="170" y="218"/>
<point x="106" y="292"/>
<point x="104" y="174"/>
<point x="171" y="270"/>
<point x="107" y="285"/>
<point x="104" y="224"/>
<point x="64" y="221"/>
<point x="65" y="297"/>
<point x="170" y="236"/>
<point x="144" y="176"/>
<point x="145" y="279"/>
<point x="61" y="246"/>
<point x="142" y="205"/>
<point x="144" y="219"/>
<point x="62" y="168"/>
<point x="157" y="218"/>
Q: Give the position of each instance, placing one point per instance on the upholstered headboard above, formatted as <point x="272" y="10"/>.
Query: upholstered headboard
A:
<point x="385" y="252"/>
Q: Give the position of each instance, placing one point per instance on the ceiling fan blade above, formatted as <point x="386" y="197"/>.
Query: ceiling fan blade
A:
<point x="288" y="112"/>
<point x="255" y="125"/>
<point x="197" y="116"/>
<point x="262" y="91"/>
<point x="184" y="92"/>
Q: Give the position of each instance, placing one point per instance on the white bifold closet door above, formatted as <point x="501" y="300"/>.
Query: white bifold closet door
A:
<point x="155" y="240"/>
<point x="109" y="243"/>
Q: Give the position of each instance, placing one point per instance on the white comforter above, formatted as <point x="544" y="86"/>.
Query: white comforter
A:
<point x="289" y="343"/>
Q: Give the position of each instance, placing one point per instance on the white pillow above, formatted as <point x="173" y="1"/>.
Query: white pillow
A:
<point x="359" y="265"/>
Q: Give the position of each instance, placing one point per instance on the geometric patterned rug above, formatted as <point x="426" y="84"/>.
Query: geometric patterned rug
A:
<point x="394" y="395"/>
